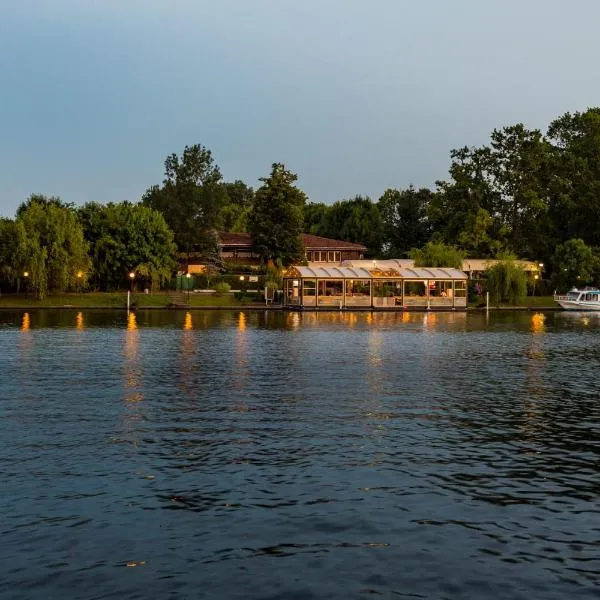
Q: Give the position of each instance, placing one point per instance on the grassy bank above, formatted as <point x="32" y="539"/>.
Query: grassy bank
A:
<point x="116" y="300"/>
<point x="164" y="300"/>
<point x="540" y="302"/>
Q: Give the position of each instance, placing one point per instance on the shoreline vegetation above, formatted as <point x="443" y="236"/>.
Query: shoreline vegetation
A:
<point x="164" y="301"/>
<point x="523" y="196"/>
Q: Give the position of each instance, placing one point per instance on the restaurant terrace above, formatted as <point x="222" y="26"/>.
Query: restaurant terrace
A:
<point x="384" y="284"/>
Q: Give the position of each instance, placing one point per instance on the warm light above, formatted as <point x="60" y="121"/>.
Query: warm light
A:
<point x="26" y="322"/>
<point x="187" y="322"/>
<point x="131" y="275"/>
<point x="188" y="275"/>
<point x="536" y="276"/>
<point x="79" y="321"/>
<point x="26" y="274"/>
<point x="538" y="323"/>
<point x="541" y="265"/>
<point x="242" y="278"/>
<point x="295" y="283"/>
<point x="79" y="274"/>
<point x="241" y="322"/>
<point x="131" y="321"/>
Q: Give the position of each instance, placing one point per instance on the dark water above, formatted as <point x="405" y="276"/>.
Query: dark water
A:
<point x="255" y="455"/>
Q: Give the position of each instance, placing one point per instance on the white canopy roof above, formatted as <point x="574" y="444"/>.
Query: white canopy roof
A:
<point x="382" y="270"/>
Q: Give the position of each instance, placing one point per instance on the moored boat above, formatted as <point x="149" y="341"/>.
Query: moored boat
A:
<point x="586" y="299"/>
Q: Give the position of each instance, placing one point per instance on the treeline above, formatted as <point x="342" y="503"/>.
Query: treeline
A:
<point x="526" y="193"/>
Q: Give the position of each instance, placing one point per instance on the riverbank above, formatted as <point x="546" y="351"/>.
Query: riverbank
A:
<point x="118" y="300"/>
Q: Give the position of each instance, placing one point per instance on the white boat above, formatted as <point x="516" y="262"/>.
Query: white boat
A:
<point x="586" y="299"/>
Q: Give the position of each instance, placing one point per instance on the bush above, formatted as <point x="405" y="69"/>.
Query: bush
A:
<point x="222" y="288"/>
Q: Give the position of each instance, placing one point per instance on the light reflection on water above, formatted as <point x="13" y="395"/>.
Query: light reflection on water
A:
<point x="277" y="455"/>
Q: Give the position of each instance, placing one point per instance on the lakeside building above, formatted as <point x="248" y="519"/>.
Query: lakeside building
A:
<point x="379" y="284"/>
<point x="236" y="249"/>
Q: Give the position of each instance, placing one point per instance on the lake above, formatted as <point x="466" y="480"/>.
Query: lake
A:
<point x="217" y="454"/>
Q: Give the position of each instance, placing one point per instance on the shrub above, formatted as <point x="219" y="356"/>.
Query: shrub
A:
<point x="222" y="288"/>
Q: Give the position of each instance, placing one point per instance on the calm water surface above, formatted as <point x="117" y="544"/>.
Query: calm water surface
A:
<point x="267" y="455"/>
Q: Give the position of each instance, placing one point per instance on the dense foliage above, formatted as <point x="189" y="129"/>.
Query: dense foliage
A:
<point x="52" y="248"/>
<point x="128" y="238"/>
<point x="436" y="254"/>
<point x="525" y="193"/>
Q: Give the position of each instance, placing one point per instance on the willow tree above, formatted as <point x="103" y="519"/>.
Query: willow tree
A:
<point x="13" y="251"/>
<point x="55" y="248"/>
<point x="506" y="282"/>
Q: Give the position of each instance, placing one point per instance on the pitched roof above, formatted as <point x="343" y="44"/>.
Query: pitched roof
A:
<point x="316" y="241"/>
<point x="310" y="241"/>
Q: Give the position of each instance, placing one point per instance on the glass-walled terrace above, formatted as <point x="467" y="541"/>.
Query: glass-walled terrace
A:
<point x="370" y="292"/>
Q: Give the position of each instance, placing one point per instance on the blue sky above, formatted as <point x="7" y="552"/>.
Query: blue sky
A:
<point x="354" y="96"/>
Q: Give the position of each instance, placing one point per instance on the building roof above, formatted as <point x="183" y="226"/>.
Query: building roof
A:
<point x="227" y="238"/>
<point x="346" y="272"/>
<point x="316" y="241"/>
<point x="310" y="242"/>
<point x="469" y="264"/>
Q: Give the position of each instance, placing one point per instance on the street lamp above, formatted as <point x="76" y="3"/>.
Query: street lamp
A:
<point x="132" y="277"/>
<point x="535" y="278"/>
<point x="79" y="278"/>
<point x="187" y="287"/>
<point x="26" y="275"/>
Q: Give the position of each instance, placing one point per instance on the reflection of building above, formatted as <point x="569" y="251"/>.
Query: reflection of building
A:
<point x="378" y="285"/>
<point x="237" y="248"/>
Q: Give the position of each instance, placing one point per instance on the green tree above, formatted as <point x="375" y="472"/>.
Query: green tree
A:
<point x="575" y="183"/>
<point x="190" y="197"/>
<point x="462" y="211"/>
<point x="404" y="216"/>
<point x="13" y="251"/>
<point x="235" y="207"/>
<point x="55" y="247"/>
<point x="436" y="254"/>
<point x="127" y="237"/>
<point x="574" y="263"/>
<point x="506" y="282"/>
<point x="315" y="218"/>
<point x="355" y="220"/>
<point x="498" y="195"/>
<point x="276" y="219"/>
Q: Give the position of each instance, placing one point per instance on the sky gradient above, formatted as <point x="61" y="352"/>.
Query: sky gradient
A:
<point x="354" y="96"/>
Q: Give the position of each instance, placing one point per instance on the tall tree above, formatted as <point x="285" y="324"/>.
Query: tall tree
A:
<point x="57" y="253"/>
<point x="462" y="210"/>
<point x="190" y="197"/>
<point x="276" y="219"/>
<point x="355" y="220"/>
<point x="575" y="182"/>
<point x="315" y="217"/>
<point x="128" y="237"/>
<point x="235" y="208"/>
<point x="404" y="216"/>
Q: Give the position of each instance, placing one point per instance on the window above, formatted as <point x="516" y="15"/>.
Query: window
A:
<point x="309" y="256"/>
<point x="309" y="287"/>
